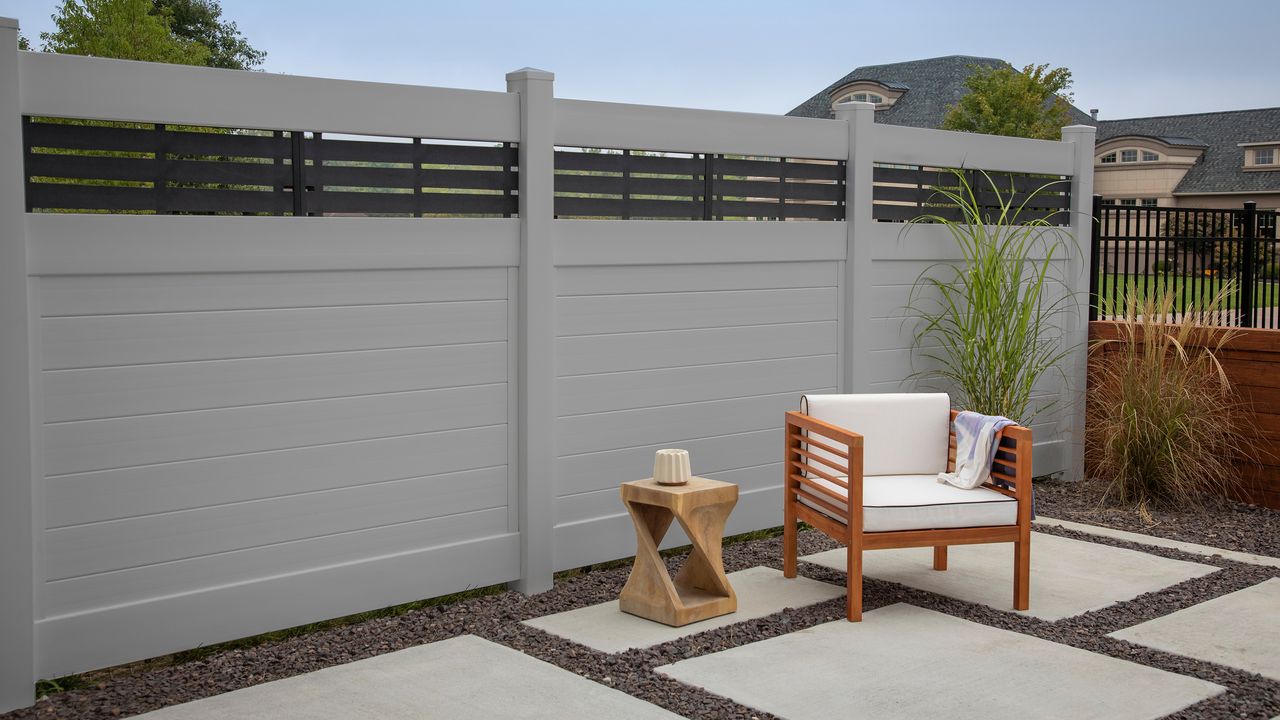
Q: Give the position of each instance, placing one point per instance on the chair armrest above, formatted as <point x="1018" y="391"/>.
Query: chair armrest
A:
<point x="814" y="450"/>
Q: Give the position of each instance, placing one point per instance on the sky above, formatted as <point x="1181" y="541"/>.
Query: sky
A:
<point x="1129" y="58"/>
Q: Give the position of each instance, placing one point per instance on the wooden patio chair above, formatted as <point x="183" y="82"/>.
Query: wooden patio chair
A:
<point x="863" y="470"/>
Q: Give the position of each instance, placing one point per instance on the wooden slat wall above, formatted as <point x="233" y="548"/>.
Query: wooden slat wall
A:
<point x="626" y="185"/>
<point x="139" y="168"/>
<point x="1252" y="362"/>
<point x="903" y="193"/>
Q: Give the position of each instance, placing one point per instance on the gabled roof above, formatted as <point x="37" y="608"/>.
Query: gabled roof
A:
<point x="1221" y="167"/>
<point x="932" y="86"/>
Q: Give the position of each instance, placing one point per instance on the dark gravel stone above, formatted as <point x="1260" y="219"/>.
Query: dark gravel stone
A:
<point x="1219" y="523"/>
<point x="128" y="691"/>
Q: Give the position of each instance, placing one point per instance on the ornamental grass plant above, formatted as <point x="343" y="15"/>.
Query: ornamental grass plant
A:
<point x="989" y="320"/>
<point x="1164" y="423"/>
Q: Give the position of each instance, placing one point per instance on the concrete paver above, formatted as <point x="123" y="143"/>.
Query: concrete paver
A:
<point x="1239" y="629"/>
<point x="907" y="662"/>
<point x="463" y="677"/>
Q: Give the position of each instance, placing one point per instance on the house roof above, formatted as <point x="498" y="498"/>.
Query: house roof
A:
<point x="1221" y="166"/>
<point x="932" y="86"/>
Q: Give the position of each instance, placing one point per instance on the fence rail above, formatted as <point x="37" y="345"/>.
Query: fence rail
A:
<point x="1193" y="253"/>
<point x="155" y="168"/>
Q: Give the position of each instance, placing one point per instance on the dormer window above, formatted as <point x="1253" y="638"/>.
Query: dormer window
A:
<point x="1264" y="156"/>
<point x="1109" y="158"/>
<point x="1128" y="156"/>
<point x="1148" y="156"/>
<point x="863" y="97"/>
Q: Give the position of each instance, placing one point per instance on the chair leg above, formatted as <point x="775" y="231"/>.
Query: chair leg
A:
<point x="1022" y="574"/>
<point x="939" y="557"/>
<point x="853" y="583"/>
<point x="790" y="548"/>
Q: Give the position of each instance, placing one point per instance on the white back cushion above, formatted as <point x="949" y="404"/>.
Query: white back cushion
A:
<point x="903" y="433"/>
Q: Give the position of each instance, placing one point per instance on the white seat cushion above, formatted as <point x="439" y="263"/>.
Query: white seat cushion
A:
<point x="903" y="433"/>
<point x="920" y="502"/>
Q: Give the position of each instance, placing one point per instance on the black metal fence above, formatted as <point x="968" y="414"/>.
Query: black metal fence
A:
<point x="633" y="185"/>
<point x="1193" y="254"/>
<point x="88" y="166"/>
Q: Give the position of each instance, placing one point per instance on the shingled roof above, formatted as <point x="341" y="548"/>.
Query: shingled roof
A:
<point x="932" y="86"/>
<point x="1221" y="167"/>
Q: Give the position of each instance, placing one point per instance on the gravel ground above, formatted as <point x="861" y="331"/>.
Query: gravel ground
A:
<point x="497" y="618"/>
<point x="1221" y="523"/>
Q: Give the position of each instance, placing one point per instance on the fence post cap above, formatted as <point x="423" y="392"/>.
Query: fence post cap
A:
<point x="528" y="73"/>
<point x="8" y="23"/>
<point x="847" y="110"/>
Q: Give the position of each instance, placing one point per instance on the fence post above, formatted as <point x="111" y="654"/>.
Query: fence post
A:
<point x="1075" y="330"/>
<point x="535" y="310"/>
<point x="855" y="372"/>
<point x="1095" y="255"/>
<point x="17" y="572"/>
<point x="1248" y="248"/>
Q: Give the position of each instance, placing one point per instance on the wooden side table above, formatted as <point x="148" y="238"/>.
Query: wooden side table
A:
<point x="700" y="590"/>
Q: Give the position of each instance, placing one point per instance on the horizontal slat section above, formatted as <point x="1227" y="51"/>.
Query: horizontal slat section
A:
<point x="644" y="127"/>
<point x="644" y="351"/>
<point x="120" y="544"/>
<point x="160" y="293"/>
<point x="901" y="145"/>
<point x="164" y="388"/>
<point x="140" y="584"/>
<point x="123" y="90"/>
<point x="114" y="494"/>
<point x="120" y="633"/>
<point x="650" y="388"/>
<point x="627" y="279"/>
<point x="110" y="244"/>
<point x="586" y="506"/>
<point x="85" y="446"/>
<point x="677" y="311"/>
<point x="675" y="423"/>
<point x="81" y="342"/>
<point x="622" y="242"/>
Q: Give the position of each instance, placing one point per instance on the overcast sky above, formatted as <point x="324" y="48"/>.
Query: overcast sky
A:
<point x="1129" y="59"/>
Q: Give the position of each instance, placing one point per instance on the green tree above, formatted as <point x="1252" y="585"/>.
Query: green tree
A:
<point x="1029" y="103"/>
<point x="124" y="29"/>
<point x="22" y="43"/>
<point x="201" y="21"/>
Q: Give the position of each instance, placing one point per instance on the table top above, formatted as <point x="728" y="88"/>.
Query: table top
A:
<point x="698" y="491"/>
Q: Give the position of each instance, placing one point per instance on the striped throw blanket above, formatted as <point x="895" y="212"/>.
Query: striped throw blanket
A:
<point x="975" y="448"/>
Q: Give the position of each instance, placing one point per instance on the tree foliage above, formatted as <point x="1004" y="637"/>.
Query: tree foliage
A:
<point x="184" y="32"/>
<point x="1030" y="103"/>
<point x="23" y="44"/>
<point x="201" y="21"/>
<point x="124" y="29"/>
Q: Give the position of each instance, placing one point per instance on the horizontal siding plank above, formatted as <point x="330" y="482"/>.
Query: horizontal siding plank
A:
<point x="129" y="244"/>
<point x="143" y="389"/>
<point x="177" y="337"/>
<point x="74" y="643"/>
<point x="674" y="423"/>
<point x="630" y="279"/>
<point x="121" y="294"/>
<point x="627" y="242"/>
<point x="593" y="472"/>
<point x="605" y="502"/>
<point x="678" y="311"/>
<point x="110" y="89"/>
<point x="646" y="351"/>
<point x="119" y="544"/>
<point x="115" y="494"/>
<point x="650" y="388"/>
<point x="85" y="446"/>
<point x="149" y="582"/>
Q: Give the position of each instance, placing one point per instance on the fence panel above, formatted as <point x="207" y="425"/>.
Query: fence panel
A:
<point x="1194" y="254"/>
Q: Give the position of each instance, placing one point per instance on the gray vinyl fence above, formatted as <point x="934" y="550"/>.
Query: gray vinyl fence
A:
<point x="216" y="425"/>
